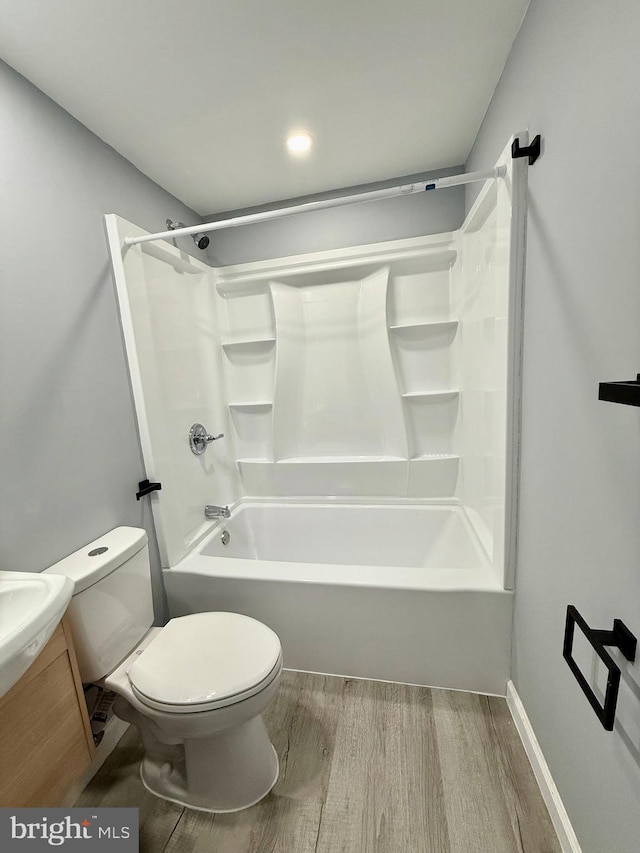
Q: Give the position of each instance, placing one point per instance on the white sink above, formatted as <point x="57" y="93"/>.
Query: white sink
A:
<point x="31" y="605"/>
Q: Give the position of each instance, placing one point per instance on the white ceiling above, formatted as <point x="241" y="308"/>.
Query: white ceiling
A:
<point x="200" y="94"/>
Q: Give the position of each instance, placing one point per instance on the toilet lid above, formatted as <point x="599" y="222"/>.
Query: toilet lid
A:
<point x="197" y="662"/>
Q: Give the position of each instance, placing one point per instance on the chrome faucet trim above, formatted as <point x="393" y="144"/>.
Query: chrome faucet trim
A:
<point x="211" y="511"/>
<point x="199" y="439"/>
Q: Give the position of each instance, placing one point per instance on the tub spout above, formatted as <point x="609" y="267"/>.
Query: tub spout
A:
<point x="211" y="511"/>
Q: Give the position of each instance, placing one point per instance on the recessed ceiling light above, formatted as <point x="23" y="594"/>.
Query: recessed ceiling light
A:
<point x="299" y="143"/>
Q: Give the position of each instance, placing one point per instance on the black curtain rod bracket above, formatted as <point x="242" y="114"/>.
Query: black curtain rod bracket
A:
<point x="620" y="637"/>
<point x="532" y="151"/>
<point x="145" y="488"/>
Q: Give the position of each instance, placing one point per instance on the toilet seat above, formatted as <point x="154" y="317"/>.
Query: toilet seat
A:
<point x="205" y="661"/>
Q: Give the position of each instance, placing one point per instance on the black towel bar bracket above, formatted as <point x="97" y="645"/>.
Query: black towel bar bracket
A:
<point x="627" y="392"/>
<point x="622" y="638"/>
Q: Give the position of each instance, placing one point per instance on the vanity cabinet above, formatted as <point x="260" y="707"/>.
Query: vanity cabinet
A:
<point x="46" y="743"/>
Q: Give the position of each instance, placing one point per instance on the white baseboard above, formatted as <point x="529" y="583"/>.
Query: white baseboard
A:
<point x="557" y="812"/>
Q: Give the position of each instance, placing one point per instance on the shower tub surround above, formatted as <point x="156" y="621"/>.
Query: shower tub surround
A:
<point x="369" y="400"/>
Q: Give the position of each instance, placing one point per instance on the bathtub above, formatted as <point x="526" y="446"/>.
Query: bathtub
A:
<point x="400" y="592"/>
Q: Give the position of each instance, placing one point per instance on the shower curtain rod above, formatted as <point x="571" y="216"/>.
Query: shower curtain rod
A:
<point x="374" y="195"/>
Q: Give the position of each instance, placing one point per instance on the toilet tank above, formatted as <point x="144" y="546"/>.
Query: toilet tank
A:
<point x="112" y="607"/>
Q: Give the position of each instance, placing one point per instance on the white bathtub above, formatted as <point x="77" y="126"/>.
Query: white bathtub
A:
<point x="401" y="592"/>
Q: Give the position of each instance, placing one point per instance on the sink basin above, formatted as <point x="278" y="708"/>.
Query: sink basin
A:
<point x="31" y="605"/>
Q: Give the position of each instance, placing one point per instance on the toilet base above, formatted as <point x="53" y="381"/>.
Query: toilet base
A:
<point x="224" y="773"/>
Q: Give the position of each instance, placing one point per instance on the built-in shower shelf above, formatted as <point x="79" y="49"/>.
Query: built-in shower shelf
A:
<point x="347" y="460"/>
<point x="248" y="344"/>
<point x="430" y="395"/>
<point x="434" y="457"/>
<point x="427" y="326"/>
<point x="337" y="475"/>
<point x="252" y="404"/>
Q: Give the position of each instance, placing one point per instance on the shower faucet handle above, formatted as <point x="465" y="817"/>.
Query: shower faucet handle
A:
<point x="200" y="439"/>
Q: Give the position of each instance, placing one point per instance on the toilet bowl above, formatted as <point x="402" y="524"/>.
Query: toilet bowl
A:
<point x="195" y="689"/>
<point x="206" y="745"/>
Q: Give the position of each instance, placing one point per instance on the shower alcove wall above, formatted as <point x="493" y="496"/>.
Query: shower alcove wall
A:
<point x="342" y="373"/>
<point x="368" y="379"/>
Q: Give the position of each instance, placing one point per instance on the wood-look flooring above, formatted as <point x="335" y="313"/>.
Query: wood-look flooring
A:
<point x="365" y="767"/>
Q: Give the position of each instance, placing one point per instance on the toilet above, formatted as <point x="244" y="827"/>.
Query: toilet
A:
<point x="195" y="689"/>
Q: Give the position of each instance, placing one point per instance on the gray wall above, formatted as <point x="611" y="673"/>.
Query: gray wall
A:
<point x="573" y="77"/>
<point x="336" y="228"/>
<point x="69" y="453"/>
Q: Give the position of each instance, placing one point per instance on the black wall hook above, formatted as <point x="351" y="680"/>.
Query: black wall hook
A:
<point x="532" y="151"/>
<point x="145" y="488"/>
<point x="622" y="638"/>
